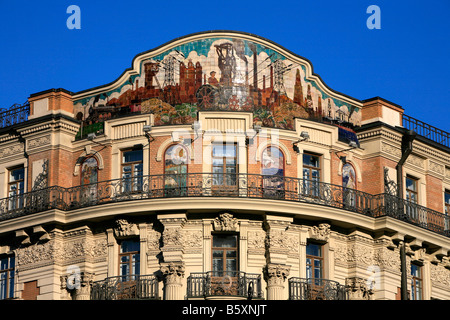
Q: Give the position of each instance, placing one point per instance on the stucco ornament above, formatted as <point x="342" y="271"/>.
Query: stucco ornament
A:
<point x="321" y="232"/>
<point x="125" y="229"/>
<point x="173" y="271"/>
<point x="225" y="222"/>
<point x="277" y="273"/>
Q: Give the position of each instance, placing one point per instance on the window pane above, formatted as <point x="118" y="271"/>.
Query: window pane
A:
<point x="16" y="174"/>
<point x="223" y="241"/>
<point x="310" y="160"/>
<point x="129" y="246"/>
<point x="410" y="184"/>
<point x="313" y="249"/>
<point x="132" y="156"/>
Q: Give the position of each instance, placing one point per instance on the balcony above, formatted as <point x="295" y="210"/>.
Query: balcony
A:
<point x="316" y="289"/>
<point x="130" y="287"/>
<point x="211" y="185"/>
<point x="224" y="284"/>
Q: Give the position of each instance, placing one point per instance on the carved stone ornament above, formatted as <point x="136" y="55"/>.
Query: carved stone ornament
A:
<point x="173" y="272"/>
<point x="125" y="229"/>
<point x="225" y="222"/>
<point x="359" y="289"/>
<point x="76" y="286"/>
<point x="277" y="274"/>
<point x="321" y="232"/>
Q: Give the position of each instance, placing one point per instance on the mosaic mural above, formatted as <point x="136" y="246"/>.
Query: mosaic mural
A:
<point x="228" y="74"/>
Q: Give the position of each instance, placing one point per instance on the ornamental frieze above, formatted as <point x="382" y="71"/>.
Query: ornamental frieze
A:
<point x="387" y="259"/>
<point x="256" y="239"/>
<point x="440" y="276"/>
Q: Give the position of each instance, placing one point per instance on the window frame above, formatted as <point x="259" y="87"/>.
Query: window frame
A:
<point x="130" y="255"/>
<point x="16" y="201"/>
<point x="224" y="174"/>
<point x="410" y="191"/>
<point x="9" y="278"/>
<point x="416" y="282"/>
<point x="313" y="259"/>
<point x="311" y="187"/>
<point x="224" y="252"/>
<point x="135" y="180"/>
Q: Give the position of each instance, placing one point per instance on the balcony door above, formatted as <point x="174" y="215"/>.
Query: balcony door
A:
<point x="175" y="171"/>
<point x="273" y="173"/>
<point x="224" y="169"/>
<point x="314" y="271"/>
<point x="224" y="276"/>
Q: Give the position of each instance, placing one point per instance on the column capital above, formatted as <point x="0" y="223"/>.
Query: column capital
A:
<point x="173" y="271"/>
<point x="276" y="274"/>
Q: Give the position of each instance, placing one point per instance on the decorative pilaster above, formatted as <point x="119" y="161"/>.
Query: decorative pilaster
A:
<point x="173" y="275"/>
<point x="277" y="241"/>
<point x="172" y="236"/>
<point x="276" y="275"/>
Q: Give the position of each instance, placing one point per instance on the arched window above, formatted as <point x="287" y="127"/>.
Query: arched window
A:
<point x="272" y="169"/>
<point x="175" y="170"/>
<point x="349" y="184"/>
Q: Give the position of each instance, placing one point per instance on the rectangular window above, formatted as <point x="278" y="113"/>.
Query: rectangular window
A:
<point x="225" y="255"/>
<point x="314" y="263"/>
<point x="7" y="265"/>
<point x="224" y="165"/>
<point x="129" y="258"/>
<point x="132" y="170"/>
<point x="311" y="174"/>
<point x="447" y="210"/>
<point x="412" y="198"/>
<point x="16" y="178"/>
<point x="416" y="282"/>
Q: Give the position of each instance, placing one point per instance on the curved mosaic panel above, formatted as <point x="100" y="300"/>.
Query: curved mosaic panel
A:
<point x="220" y="73"/>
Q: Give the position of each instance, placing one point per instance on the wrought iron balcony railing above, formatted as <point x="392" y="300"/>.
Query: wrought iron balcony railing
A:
<point x="224" y="283"/>
<point x="17" y="113"/>
<point x="130" y="287"/>
<point x="223" y="185"/>
<point x="317" y="289"/>
<point x="425" y="130"/>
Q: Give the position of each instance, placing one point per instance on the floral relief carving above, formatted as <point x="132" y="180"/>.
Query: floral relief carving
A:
<point x="256" y="239"/>
<point x="192" y="238"/>
<point x="153" y="240"/>
<point x="440" y="275"/>
<point x="172" y="237"/>
<point x="388" y="259"/>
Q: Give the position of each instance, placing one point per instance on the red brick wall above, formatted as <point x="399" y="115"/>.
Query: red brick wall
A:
<point x="30" y="290"/>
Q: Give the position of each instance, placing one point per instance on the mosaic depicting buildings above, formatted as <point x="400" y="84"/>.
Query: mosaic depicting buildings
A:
<point x="220" y="74"/>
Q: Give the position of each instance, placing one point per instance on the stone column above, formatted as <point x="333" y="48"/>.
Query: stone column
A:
<point x="276" y="275"/>
<point x="173" y="274"/>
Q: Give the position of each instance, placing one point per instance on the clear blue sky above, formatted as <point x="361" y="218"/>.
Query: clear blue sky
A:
<point x="406" y="61"/>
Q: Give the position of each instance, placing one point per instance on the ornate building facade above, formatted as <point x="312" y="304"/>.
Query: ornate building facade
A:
<point x="219" y="166"/>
